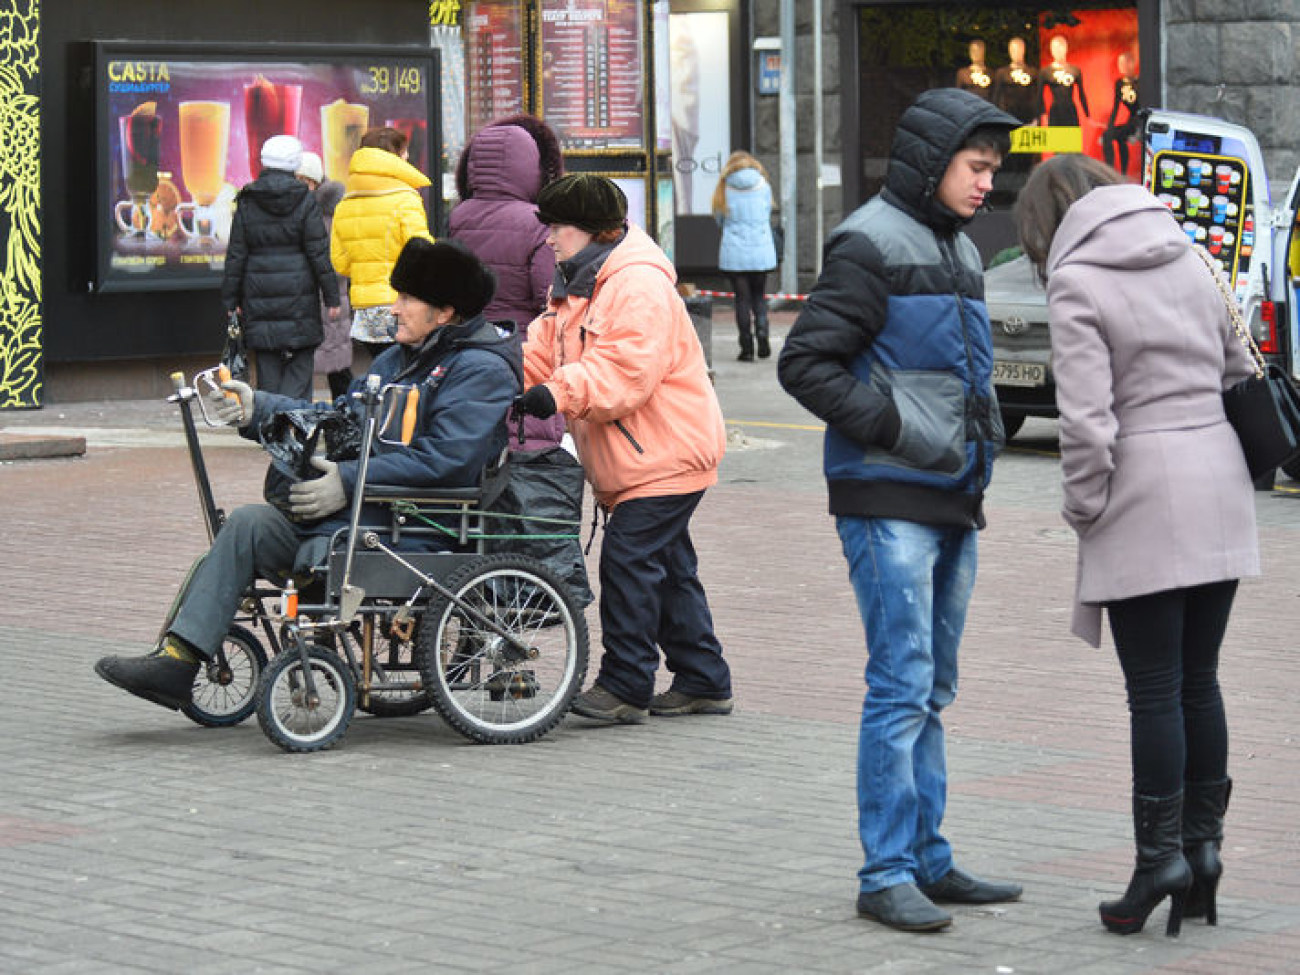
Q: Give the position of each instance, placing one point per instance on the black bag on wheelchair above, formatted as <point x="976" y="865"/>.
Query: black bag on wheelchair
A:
<point x="539" y="513"/>
<point x="292" y="437"/>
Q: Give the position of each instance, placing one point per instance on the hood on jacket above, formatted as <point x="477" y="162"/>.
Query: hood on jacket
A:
<point x="1121" y="226"/>
<point x="328" y="194"/>
<point x="550" y="156"/>
<point x="503" y="163"/>
<point x="744" y="179"/>
<point x="275" y="191"/>
<point x="375" y="171"/>
<point x="929" y="134"/>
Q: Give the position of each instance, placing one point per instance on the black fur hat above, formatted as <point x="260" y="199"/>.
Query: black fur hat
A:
<point x="443" y="273"/>
<point x="590" y="203"/>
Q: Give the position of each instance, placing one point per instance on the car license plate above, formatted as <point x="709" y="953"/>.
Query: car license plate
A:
<point x="1019" y="374"/>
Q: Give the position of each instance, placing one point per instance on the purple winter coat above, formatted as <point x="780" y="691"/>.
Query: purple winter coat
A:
<point x="498" y="222"/>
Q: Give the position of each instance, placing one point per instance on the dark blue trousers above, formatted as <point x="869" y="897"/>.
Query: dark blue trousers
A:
<point x="651" y="600"/>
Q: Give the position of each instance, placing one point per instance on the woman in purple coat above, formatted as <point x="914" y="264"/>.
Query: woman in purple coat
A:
<point x="501" y="171"/>
<point x="1157" y="491"/>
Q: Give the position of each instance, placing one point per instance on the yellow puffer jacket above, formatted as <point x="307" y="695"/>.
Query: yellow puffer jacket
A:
<point x="380" y="212"/>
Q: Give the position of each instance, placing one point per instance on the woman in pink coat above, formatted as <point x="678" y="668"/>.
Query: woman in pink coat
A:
<point x="1157" y="490"/>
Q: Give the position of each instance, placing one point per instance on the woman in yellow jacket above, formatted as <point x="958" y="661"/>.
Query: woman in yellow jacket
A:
<point x="615" y="353"/>
<point x="381" y="210"/>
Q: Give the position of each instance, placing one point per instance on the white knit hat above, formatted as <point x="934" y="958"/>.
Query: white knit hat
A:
<point x="282" y="152"/>
<point x="311" y="167"/>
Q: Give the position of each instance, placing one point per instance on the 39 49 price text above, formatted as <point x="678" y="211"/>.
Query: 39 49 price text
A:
<point x="382" y="79"/>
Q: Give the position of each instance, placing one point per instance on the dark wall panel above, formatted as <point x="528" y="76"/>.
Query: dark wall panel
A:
<point x="80" y="325"/>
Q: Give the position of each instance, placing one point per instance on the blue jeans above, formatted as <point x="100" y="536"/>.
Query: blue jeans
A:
<point x="913" y="583"/>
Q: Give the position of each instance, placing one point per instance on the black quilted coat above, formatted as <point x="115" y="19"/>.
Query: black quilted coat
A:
<point x="278" y="264"/>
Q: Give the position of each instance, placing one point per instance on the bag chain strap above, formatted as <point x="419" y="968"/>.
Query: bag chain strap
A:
<point x="1234" y="312"/>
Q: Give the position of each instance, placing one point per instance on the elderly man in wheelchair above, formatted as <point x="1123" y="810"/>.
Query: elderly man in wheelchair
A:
<point x="467" y="374"/>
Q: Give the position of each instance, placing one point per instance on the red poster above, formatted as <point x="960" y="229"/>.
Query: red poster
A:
<point x="494" y="61"/>
<point x="592" y="72"/>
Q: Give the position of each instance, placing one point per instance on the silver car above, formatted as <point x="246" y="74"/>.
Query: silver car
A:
<point x="1022" y="350"/>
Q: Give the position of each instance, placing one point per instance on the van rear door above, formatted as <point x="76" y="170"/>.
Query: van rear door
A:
<point x="1211" y="174"/>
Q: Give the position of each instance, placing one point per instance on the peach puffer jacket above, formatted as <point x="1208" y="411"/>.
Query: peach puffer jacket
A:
<point x="628" y="372"/>
<point x="380" y="212"/>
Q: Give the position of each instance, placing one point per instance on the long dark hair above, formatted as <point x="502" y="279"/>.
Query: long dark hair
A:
<point x="1052" y="188"/>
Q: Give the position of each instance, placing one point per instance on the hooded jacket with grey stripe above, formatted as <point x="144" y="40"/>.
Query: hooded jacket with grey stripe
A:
<point x="893" y="348"/>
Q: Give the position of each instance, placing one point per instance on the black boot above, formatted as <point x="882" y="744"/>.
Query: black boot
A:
<point x="1161" y="870"/>
<point x="760" y="335"/>
<point x="746" y="348"/>
<point x="1204" y="804"/>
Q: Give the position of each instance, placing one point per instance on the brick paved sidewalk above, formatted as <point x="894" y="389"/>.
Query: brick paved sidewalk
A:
<point x="133" y="841"/>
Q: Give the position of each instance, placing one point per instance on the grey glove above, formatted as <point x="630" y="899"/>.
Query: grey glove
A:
<point x="313" y="500"/>
<point x="232" y="410"/>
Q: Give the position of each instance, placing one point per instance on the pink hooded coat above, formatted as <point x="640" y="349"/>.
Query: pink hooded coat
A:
<point x="1155" y="483"/>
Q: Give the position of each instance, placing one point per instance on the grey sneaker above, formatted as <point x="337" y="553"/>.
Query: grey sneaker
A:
<point x="600" y="705"/>
<point x="671" y="704"/>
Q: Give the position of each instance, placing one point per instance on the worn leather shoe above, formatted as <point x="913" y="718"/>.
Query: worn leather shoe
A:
<point x="903" y="907"/>
<point x="156" y="677"/>
<point x="601" y="705"/>
<point x="959" y="887"/>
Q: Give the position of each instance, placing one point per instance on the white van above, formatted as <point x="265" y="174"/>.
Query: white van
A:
<point x="1211" y="175"/>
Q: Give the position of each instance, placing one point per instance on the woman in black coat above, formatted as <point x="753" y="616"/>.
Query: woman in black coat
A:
<point x="278" y="269"/>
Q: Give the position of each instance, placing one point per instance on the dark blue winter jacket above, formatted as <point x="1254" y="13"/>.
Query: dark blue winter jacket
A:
<point x="468" y="375"/>
<point x="893" y="348"/>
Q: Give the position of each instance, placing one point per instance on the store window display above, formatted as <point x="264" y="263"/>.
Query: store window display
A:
<point x="1064" y="82"/>
<point x="1015" y="85"/>
<point x="975" y="77"/>
<point x="1123" y="113"/>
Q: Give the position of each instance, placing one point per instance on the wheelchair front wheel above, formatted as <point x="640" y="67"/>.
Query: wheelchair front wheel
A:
<point x="225" y="688"/>
<point x="481" y="685"/>
<point x="302" y="720"/>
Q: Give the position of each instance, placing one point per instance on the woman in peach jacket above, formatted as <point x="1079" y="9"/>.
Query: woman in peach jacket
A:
<point x="615" y="353"/>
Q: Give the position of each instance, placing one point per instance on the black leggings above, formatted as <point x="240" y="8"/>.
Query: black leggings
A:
<point x="751" y="305"/>
<point x="1168" y="645"/>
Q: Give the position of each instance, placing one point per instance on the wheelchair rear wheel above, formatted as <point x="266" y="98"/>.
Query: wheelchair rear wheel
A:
<point x="302" y="720"/>
<point x="225" y="688"/>
<point x="481" y="685"/>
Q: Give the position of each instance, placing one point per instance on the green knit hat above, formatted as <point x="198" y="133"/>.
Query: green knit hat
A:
<point x="590" y="203"/>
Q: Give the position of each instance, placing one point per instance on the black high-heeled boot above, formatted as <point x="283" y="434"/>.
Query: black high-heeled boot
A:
<point x="1161" y="869"/>
<point x="1204" y="805"/>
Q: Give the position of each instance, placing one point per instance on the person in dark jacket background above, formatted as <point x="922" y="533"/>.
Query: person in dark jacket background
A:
<point x="467" y="372"/>
<point x="278" y="269"/>
<point x="334" y="354"/>
<point x="499" y="174"/>
<point x="893" y="351"/>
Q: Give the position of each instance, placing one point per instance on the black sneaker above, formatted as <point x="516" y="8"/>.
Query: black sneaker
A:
<point x="671" y="704"/>
<point x="157" y="677"/>
<point x="600" y="705"/>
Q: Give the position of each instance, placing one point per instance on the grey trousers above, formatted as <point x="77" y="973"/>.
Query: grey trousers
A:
<point x="257" y="541"/>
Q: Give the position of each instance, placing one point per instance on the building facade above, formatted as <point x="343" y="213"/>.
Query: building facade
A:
<point x="710" y="77"/>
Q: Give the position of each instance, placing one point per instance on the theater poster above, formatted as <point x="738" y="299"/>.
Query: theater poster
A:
<point x="592" y="72"/>
<point x="181" y="130"/>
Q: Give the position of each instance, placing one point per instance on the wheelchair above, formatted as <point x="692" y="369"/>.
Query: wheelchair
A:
<point x="495" y="643"/>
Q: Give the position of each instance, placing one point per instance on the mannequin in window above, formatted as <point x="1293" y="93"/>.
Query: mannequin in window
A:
<point x="1064" y="81"/>
<point x="1115" y="139"/>
<point x="975" y="77"/>
<point x="1015" y="86"/>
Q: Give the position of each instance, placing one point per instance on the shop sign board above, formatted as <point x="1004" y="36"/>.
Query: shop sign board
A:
<point x="180" y="130"/>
